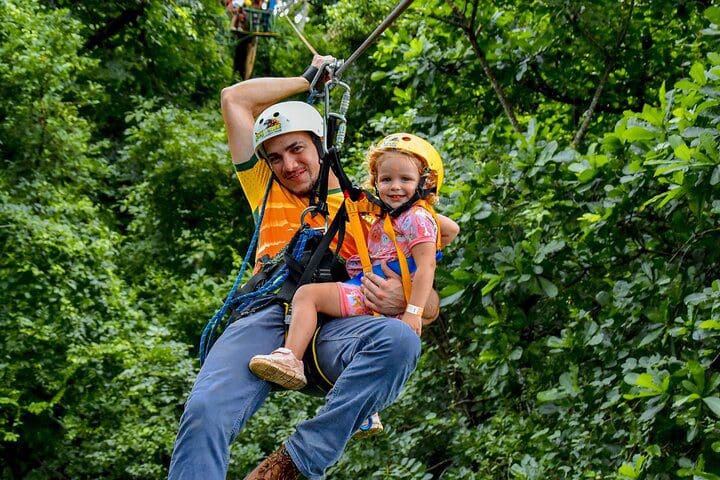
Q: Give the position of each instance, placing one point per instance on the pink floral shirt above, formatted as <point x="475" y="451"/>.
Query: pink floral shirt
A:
<point x="414" y="226"/>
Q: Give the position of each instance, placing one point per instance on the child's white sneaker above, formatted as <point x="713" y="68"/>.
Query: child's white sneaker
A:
<point x="280" y="367"/>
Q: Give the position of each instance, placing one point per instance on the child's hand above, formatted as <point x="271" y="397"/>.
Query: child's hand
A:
<point x="415" y="322"/>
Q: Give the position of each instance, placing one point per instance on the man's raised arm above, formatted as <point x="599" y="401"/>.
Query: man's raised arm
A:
<point x="242" y="102"/>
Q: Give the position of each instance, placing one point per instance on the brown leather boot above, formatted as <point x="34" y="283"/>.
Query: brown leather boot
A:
<point x="277" y="466"/>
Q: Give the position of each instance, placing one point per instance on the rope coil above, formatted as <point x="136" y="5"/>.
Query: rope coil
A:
<point x="243" y="301"/>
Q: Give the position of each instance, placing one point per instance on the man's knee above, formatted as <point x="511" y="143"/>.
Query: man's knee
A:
<point x="200" y="410"/>
<point x="403" y="343"/>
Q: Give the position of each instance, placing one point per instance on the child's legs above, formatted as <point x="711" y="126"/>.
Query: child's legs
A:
<point x="308" y="301"/>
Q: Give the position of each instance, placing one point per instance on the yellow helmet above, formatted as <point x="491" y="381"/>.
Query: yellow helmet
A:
<point x="407" y="142"/>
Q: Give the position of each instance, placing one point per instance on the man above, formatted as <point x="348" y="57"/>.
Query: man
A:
<point x="368" y="358"/>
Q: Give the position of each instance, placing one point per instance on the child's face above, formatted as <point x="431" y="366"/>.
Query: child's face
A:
<point x="398" y="176"/>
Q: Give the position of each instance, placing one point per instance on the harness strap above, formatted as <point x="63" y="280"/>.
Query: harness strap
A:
<point x="337" y="226"/>
<point x="404" y="270"/>
<point x="318" y="195"/>
<point x="402" y="259"/>
<point x="358" y="233"/>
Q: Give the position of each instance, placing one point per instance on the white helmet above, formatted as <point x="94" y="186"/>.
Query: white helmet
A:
<point x="283" y="118"/>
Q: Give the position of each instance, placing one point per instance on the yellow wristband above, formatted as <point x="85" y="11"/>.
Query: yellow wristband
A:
<point x="414" y="310"/>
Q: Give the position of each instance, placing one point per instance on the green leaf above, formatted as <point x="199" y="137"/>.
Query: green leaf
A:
<point x="548" y="287"/>
<point x="646" y="380"/>
<point x="551" y="395"/>
<point x="687" y="398"/>
<point x="713" y="14"/>
<point x="589" y="217"/>
<point x="683" y="152"/>
<point x="628" y="471"/>
<point x="651" y="412"/>
<point x="686" y="85"/>
<point x="451" y="299"/>
<point x="713" y="404"/>
<point x="638" y="133"/>
<point x="670" y="168"/>
<point x="710" y="324"/>
<point x="715" y="176"/>
<point x="494" y="280"/>
<point x="8" y="401"/>
<point x="697" y="72"/>
<point x="654" y="116"/>
<point x="37" y="407"/>
<point x="651" y="336"/>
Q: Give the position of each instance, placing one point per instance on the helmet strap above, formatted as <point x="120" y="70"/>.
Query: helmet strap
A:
<point x="319" y="191"/>
<point x="420" y="193"/>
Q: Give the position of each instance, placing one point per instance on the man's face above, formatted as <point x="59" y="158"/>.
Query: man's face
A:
<point x="294" y="160"/>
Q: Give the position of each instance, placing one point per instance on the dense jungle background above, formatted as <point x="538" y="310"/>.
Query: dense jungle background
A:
<point x="580" y="333"/>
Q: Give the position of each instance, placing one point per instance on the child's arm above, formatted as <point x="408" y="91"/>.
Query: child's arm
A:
<point x="422" y="284"/>
<point x="448" y="230"/>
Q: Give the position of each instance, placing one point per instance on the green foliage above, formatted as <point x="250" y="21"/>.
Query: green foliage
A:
<point x="174" y="50"/>
<point x="179" y="190"/>
<point x="601" y="268"/>
<point x="91" y="384"/>
<point x="42" y="131"/>
<point x="580" y="332"/>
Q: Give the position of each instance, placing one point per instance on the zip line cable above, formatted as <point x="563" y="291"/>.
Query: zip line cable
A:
<point x="399" y="9"/>
<point x="376" y="33"/>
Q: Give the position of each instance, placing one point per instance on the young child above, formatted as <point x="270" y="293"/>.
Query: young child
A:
<point x="406" y="171"/>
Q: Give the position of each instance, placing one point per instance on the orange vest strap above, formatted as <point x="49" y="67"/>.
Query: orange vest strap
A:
<point x="402" y="259"/>
<point x="364" y="206"/>
<point x="357" y="232"/>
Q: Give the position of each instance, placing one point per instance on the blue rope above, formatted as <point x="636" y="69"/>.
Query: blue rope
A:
<point x="243" y="301"/>
<point x="208" y="334"/>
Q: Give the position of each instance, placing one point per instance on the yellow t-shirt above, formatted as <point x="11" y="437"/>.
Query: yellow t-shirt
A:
<point x="282" y="211"/>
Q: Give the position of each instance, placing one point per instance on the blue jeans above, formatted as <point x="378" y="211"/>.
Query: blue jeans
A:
<point x="368" y="358"/>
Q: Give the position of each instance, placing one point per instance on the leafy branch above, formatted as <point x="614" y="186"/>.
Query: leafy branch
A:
<point x="609" y="66"/>
<point x="467" y="25"/>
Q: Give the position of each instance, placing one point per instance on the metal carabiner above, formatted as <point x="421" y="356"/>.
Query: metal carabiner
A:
<point x="340" y="115"/>
<point x="313" y="208"/>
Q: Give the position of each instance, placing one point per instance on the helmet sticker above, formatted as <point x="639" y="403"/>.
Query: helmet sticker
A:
<point x="271" y="125"/>
<point x="390" y="142"/>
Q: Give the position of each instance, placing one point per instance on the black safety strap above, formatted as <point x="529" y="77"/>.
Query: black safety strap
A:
<point x="337" y="226"/>
<point x="333" y="159"/>
<point x="318" y="195"/>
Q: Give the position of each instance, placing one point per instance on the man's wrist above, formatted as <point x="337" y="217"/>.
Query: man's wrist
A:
<point x="310" y="73"/>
